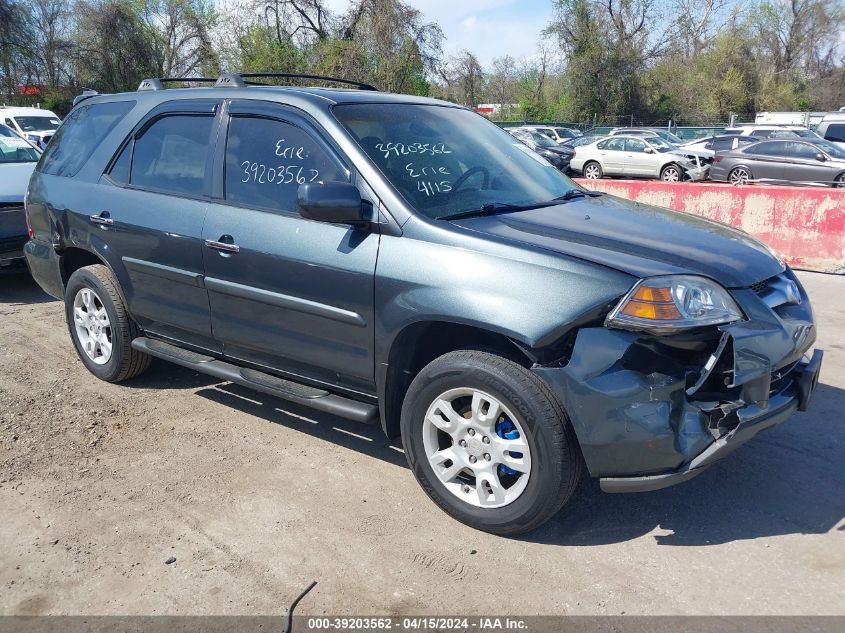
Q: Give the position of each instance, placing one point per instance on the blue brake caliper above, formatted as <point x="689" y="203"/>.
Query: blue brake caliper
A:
<point x="506" y="430"/>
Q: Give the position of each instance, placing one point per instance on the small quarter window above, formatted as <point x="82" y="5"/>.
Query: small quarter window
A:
<point x="267" y="160"/>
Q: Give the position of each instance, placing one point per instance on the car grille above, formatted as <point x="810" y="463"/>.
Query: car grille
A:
<point x="781" y="378"/>
<point x="760" y="286"/>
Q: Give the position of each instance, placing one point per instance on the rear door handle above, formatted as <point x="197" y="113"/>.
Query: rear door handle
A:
<point x="104" y="219"/>
<point x="220" y="245"/>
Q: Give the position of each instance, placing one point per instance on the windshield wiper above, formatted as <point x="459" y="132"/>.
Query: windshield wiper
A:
<point x="494" y="208"/>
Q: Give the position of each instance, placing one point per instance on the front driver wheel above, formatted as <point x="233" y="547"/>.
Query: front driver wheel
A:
<point x="671" y="173"/>
<point x="488" y="442"/>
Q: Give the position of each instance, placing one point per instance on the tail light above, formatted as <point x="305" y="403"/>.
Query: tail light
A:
<point x="717" y="158"/>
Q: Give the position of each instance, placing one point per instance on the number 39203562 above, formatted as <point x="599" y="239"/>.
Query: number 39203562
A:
<point x="262" y="174"/>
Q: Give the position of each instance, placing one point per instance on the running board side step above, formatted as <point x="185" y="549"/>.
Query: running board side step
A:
<point x="305" y="395"/>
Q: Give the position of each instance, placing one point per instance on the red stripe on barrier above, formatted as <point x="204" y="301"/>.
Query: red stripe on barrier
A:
<point x="805" y="225"/>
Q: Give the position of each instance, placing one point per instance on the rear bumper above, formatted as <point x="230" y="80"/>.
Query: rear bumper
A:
<point x="11" y="254"/>
<point x="44" y="266"/>
<point x="752" y="421"/>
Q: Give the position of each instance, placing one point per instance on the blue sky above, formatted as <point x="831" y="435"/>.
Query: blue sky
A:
<point x="488" y="28"/>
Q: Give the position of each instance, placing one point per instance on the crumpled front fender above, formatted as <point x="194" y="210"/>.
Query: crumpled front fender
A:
<point x="642" y="404"/>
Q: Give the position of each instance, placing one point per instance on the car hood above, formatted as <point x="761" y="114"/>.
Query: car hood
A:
<point x="637" y="239"/>
<point x="14" y="179"/>
<point x="559" y="149"/>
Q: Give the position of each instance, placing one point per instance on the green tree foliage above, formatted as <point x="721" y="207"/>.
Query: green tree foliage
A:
<point x="597" y="60"/>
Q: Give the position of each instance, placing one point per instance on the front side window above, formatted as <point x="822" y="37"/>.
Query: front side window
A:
<point x="79" y="136"/>
<point x="446" y="160"/>
<point x="14" y="149"/>
<point x="171" y="154"/>
<point x="267" y="160"/>
<point x="801" y="150"/>
<point x="613" y="144"/>
<point x="635" y="145"/>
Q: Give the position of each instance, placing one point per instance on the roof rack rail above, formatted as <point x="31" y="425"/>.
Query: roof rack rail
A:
<point x="86" y="93"/>
<point x="239" y="80"/>
<point x="158" y="83"/>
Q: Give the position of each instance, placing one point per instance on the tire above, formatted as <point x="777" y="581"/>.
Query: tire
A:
<point x="839" y="182"/>
<point x="739" y="176"/>
<point x="93" y="302"/>
<point x="592" y="170"/>
<point x="672" y="173"/>
<point x="551" y="463"/>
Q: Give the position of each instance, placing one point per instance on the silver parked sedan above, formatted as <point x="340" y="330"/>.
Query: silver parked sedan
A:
<point x="639" y="157"/>
<point x="786" y="161"/>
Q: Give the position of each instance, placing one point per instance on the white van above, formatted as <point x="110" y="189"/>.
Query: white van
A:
<point x="832" y="128"/>
<point x="34" y="124"/>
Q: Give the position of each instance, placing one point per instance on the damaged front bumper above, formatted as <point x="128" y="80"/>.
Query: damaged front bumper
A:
<point x="653" y="411"/>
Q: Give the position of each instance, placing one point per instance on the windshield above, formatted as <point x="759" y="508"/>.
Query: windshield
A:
<point x="834" y="151"/>
<point x="668" y="136"/>
<point x="659" y="144"/>
<point x="562" y="132"/>
<point x="541" y="139"/>
<point x="37" y="123"/>
<point x="446" y="160"/>
<point x="14" y="149"/>
<point x="804" y="133"/>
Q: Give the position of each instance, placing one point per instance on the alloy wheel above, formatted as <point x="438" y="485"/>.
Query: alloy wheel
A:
<point x="477" y="448"/>
<point x="671" y="174"/>
<point x="592" y="171"/>
<point x="739" y="176"/>
<point x="92" y="325"/>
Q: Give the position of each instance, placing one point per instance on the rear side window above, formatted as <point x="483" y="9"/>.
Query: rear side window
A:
<point x="267" y="160"/>
<point x="80" y="135"/>
<point x="835" y="132"/>
<point x="171" y="154"/>
<point x="771" y="148"/>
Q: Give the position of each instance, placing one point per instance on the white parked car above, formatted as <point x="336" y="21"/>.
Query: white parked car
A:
<point x="555" y="132"/>
<point x="832" y="128"/>
<point x="647" y="132"/>
<point x="639" y="157"/>
<point x="773" y="131"/>
<point x="34" y="124"/>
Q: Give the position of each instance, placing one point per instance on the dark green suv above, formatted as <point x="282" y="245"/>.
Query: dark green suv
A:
<point x="403" y="261"/>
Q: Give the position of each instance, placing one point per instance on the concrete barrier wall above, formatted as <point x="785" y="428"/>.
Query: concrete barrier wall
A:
<point x="806" y="225"/>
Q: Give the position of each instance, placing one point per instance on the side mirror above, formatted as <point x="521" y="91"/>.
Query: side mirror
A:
<point x="821" y="157"/>
<point x="333" y="202"/>
<point x="648" y="150"/>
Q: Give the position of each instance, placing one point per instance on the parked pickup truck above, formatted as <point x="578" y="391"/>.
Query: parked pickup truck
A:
<point x="402" y="261"/>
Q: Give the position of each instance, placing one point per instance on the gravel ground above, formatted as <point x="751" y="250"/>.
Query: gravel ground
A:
<point x="176" y="494"/>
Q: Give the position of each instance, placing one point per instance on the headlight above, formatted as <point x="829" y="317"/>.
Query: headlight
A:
<point x="663" y="305"/>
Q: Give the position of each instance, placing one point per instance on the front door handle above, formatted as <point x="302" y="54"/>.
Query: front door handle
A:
<point x="224" y="244"/>
<point x="104" y="219"/>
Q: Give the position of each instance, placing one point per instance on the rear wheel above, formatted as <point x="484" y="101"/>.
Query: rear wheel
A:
<point x="671" y="173"/>
<point x="100" y="327"/>
<point x="593" y="171"/>
<point x="739" y="176"/>
<point x="488" y="442"/>
<point x="840" y="181"/>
